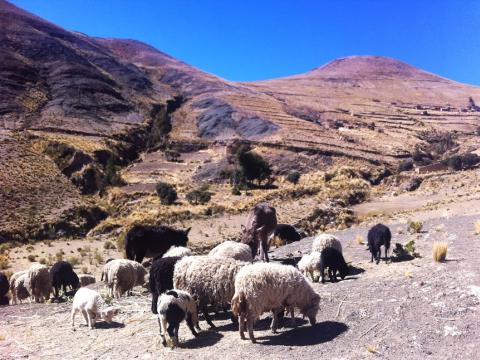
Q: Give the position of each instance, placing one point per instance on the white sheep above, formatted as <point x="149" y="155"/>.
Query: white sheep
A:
<point x="174" y="306"/>
<point x="86" y="279"/>
<point x="91" y="305"/>
<point x="309" y="264"/>
<point x="261" y="287"/>
<point x="211" y="280"/>
<point x="323" y="241"/>
<point x="18" y="287"/>
<point x="233" y="250"/>
<point x="177" y="251"/>
<point x="39" y="282"/>
<point x="120" y="276"/>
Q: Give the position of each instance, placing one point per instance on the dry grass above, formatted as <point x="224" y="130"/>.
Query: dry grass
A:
<point x="360" y="240"/>
<point x="371" y="349"/>
<point x="4" y="262"/>
<point x="439" y="251"/>
<point x="476" y="227"/>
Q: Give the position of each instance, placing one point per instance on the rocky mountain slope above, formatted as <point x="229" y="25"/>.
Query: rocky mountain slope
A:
<point x="81" y="106"/>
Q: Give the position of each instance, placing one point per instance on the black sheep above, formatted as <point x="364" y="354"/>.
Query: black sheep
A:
<point x="377" y="236"/>
<point x="152" y="241"/>
<point x="4" y="287"/>
<point x="285" y="234"/>
<point x="161" y="277"/>
<point x="332" y="259"/>
<point x="62" y="276"/>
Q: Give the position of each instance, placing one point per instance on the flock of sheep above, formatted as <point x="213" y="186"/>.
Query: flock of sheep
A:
<point x="182" y="284"/>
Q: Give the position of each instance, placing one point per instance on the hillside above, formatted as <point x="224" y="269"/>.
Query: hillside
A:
<point x="85" y="108"/>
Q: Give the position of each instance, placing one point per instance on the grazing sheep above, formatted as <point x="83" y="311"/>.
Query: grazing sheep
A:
<point x="261" y="287"/>
<point x="4" y="286"/>
<point x="18" y="287"/>
<point x="39" y="282"/>
<point x="261" y="222"/>
<point x="179" y="251"/>
<point x="211" y="280"/>
<point x="140" y="271"/>
<point x="323" y="241"/>
<point x="91" y="305"/>
<point x="120" y="276"/>
<point x="333" y="260"/>
<point x="62" y="275"/>
<point x="284" y="234"/>
<point x="377" y="236"/>
<point x="232" y="250"/>
<point x="174" y="306"/>
<point x="86" y="279"/>
<point x="310" y="264"/>
<point x="161" y="277"/>
<point x="152" y="241"/>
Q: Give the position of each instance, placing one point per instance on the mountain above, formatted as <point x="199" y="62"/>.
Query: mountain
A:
<point x="84" y="101"/>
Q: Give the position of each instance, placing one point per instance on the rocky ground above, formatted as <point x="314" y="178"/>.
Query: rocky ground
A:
<point x="415" y="309"/>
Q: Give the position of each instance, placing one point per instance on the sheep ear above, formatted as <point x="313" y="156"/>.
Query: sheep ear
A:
<point x="260" y="229"/>
<point x="188" y="230"/>
<point x="172" y="293"/>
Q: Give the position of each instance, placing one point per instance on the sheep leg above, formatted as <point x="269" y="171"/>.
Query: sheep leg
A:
<point x="190" y="324"/>
<point x="250" y="329"/>
<point x="377" y="256"/>
<point x="273" y="325"/>
<point x="322" y="273"/>
<point x="206" y="315"/>
<point x="154" y="302"/>
<point x="74" y="312"/>
<point x="91" y="319"/>
<point x="241" y="325"/>
<point x="264" y="248"/>
<point x="162" y="324"/>
<point x="292" y="314"/>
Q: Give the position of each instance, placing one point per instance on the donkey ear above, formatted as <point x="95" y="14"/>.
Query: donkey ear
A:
<point x="188" y="230"/>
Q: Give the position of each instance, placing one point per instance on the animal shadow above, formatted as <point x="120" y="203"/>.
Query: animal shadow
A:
<point x="112" y="325"/>
<point x="306" y="335"/>
<point x="353" y="270"/>
<point x="205" y="338"/>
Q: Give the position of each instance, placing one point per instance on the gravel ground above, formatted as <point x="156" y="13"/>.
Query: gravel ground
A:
<point x="415" y="309"/>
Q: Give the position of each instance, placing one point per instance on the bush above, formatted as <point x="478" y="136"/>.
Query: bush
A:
<point x="439" y="251"/>
<point x="4" y="262"/>
<point x="294" y="177"/>
<point x="462" y="162"/>
<point x="199" y="196"/>
<point x="172" y="155"/>
<point x="31" y="258"/>
<point x="415" y="227"/>
<point x="236" y="191"/>
<point x="73" y="260"/>
<point x="406" y="165"/>
<point x="253" y="167"/>
<point x="43" y="261"/>
<point x="108" y="245"/>
<point x="166" y="192"/>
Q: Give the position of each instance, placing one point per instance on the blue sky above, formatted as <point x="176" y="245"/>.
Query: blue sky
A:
<point x="252" y="40"/>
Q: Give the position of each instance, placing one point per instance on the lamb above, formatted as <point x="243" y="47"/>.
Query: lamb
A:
<point x="4" y="286"/>
<point x="39" y="282"/>
<point x="151" y="241"/>
<point x="161" y="277"/>
<point x="261" y="287"/>
<point x="91" y="305"/>
<point x="377" y="236"/>
<point x="310" y="264"/>
<point x="333" y="260"/>
<point x="62" y="275"/>
<point x="232" y="250"/>
<point x="18" y="287"/>
<point x="323" y="241"/>
<point x="121" y="276"/>
<point x="284" y="234"/>
<point x="174" y="306"/>
<point x="86" y="279"/>
<point x="211" y="280"/>
<point x="180" y="251"/>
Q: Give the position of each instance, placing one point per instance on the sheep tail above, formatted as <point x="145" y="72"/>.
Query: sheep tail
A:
<point x="239" y="304"/>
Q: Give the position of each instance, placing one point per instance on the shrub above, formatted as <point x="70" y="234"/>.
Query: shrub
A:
<point x="4" y="262"/>
<point x="108" y="245"/>
<point x="294" y="177"/>
<point x="462" y="162"/>
<point x="236" y="191"/>
<point x="414" y="227"/>
<point x="43" y="261"/>
<point x="30" y="248"/>
<point x="59" y="255"/>
<point x="31" y="258"/>
<point x="359" y="240"/>
<point x="166" y="192"/>
<point x="476" y="227"/>
<point x="199" y="196"/>
<point x="121" y="241"/>
<point x="84" y="270"/>
<point x="172" y="155"/>
<point x="98" y="257"/>
<point x="253" y="167"/>
<point x="406" y="165"/>
<point x="439" y="251"/>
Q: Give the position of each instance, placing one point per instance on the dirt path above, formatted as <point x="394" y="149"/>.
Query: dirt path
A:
<point x="415" y="309"/>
